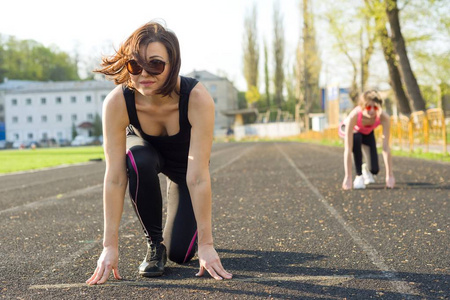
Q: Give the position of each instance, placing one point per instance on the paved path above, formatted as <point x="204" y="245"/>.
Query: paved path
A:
<point x="282" y="226"/>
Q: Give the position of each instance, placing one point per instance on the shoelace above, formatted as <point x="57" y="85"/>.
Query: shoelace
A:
<point x="154" y="252"/>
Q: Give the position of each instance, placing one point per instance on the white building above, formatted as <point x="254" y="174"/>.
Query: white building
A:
<point x="44" y="110"/>
<point x="34" y="110"/>
<point x="225" y="97"/>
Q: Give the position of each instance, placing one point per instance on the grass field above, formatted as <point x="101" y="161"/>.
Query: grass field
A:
<point x="28" y="159"/>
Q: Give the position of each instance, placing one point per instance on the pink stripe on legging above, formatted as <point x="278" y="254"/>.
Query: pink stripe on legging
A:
<point x="133" y="163"/>
<point x="191" y="246"/>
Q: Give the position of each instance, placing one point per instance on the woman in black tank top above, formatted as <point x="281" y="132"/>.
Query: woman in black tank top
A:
<point x="156" y="121"/>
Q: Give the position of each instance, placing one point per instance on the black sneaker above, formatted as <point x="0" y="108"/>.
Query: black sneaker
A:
<point x="155" y="260"/>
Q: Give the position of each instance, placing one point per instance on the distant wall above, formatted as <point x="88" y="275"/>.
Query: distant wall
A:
<point x="267" y="130"/>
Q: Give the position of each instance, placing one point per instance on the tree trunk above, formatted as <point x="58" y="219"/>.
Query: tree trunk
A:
<point x="403" y="102"/>
<point x="412" y="88"/>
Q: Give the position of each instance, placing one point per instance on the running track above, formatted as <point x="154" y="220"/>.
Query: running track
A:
<point x="282" y="226"/>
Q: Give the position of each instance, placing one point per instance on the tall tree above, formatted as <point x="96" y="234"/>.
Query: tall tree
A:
<point x="348" y="40"/>
<point x="97" y="126"/>
<point x="366" y="51"/>
<point x="311" y="63"/>
<point x="251" y="55"/>
<point x="344" y="44"/>
<point x="266" y="74"/>
<point x="278" y="54"/>
<point x="409" y="79"/>
<point x="376" y="8"/>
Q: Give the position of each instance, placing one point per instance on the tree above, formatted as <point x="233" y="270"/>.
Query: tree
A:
<point x="251" y="52"/>
<point x="74" y="131"/>
<point x="308" y="64"/>
<point x="278" y="53"/>
<point x="427" y="48"/>
<point x="376" y="9"/>
<point x="29" y="60"/>
<point x="348" y="40"/>
<point x="412" y="87"/>
<point x="266" y="75"/>
<point x="97" y="126"/>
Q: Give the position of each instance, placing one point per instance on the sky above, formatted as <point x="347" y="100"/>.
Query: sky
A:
<point x="210" y="31"/>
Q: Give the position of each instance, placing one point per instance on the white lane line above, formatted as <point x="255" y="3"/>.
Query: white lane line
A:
<point x="47" y="169"/>
<point x="37" y="183"/>
<point x="51" y="200"/>
<point x="72" y="256"/>
<point x="323" y="280"/>
<point x="225" y="149"/>
<point x="389" y="272"/>
<point x="232" y="160"/>
<point x="215" y="153"/>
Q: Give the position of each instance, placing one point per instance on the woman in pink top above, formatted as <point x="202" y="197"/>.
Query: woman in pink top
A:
<point x="358" y="130"/>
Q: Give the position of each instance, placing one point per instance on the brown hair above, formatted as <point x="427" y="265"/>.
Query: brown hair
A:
<point x="114" y="66"/>
<point x="370" y="96"/>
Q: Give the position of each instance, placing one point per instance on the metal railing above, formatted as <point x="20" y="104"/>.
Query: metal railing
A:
<point x="424" y="129"/>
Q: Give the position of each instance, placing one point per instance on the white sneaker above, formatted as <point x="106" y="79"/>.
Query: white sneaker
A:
<point x="359" y="183"/>
<point x="368" y="176"/>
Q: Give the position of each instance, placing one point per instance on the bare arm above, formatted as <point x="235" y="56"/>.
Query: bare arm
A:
<point x="115" y="121"/>
<point x="387" y="157"/>
<point x="348" y="150"/>
<point x="201" y="117"/>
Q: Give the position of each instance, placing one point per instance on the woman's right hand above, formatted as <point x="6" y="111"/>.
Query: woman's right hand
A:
<point x="108" y="261"/>
<point x="347" y="184"/>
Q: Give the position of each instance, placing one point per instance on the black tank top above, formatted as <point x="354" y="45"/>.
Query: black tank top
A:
<point x="173" y="148"/>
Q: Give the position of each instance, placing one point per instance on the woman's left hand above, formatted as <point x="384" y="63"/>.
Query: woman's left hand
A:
<point x="209" y="260"/>
<point x="390" y="182"/>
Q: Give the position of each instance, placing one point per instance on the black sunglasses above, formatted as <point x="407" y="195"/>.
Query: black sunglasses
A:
<point x="153" y="67"/>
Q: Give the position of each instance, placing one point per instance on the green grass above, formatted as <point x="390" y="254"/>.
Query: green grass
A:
<point x="28" y="159"/>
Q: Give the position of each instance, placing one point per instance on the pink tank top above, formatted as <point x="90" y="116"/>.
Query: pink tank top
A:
<point x="365" y="129"/>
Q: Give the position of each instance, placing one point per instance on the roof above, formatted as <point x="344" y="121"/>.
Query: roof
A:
<point x="204" y="76"/>
<point x="39" y="86"/>
<point x="86" y="125"/>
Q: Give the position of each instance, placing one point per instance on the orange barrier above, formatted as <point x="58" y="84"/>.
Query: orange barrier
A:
<point x="421" y="129"/>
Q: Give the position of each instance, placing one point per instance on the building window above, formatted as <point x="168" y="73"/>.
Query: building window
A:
<point x="16" y="136"/>
<point x="1" y="107"/>
<point x="29" y="119"/>
<point x="58" y="118"/>
<point x="30" y="136"/>
<point x="44" y="136"/>
<point x="43" y="119"/>
<point x="213" y="88"/>
<point x="90" y="116"/>
<point x="14" y="102"/>
<point x="103" y="97"/>
<point x="59" y="135"/>
<point x="215" y="99"/>
<point x="43" y="101"/>
<point x="88" y="99"/>
<point x="73" y="99"/>
<point x="74" y="117"/>
<point x="28" y="101"/>
<point x="15" y="119"/>
<point x="58" y="100"/>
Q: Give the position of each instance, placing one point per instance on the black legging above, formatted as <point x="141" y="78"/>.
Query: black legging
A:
<point x="144" y="163"/>
<point x="360" y="139"/>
